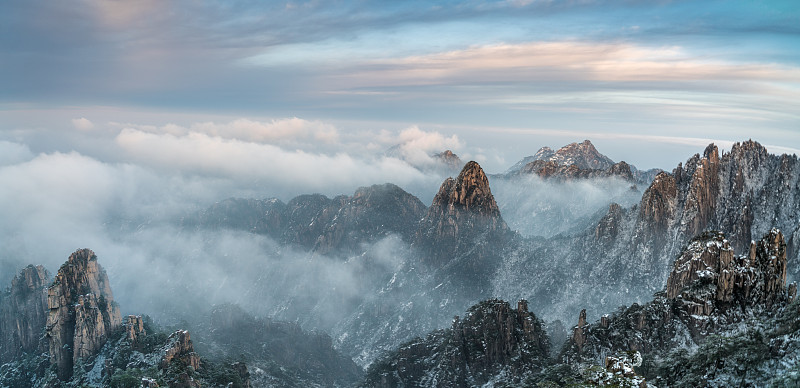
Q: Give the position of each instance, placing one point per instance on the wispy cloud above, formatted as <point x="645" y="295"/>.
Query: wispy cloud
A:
<point x="558" y="61"/>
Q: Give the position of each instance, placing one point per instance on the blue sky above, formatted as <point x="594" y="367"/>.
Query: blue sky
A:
<point x="650" y="82"/>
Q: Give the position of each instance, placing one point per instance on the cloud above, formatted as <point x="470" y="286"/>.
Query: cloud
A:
<point x="297" y="170"/>
<point x="83" y="124"/>
<point x="557" y="61"/>
<point x="13" y="153"/>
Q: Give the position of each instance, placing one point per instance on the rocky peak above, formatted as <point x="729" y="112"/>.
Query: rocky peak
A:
<point x="550" y="169"/>
<point x="469" y="191"/>
<point x="23" y="313"/>
<point x="462" y="208"/>
<point x="584" y="155"/>
<point x="82" y="312"/>
<point x="449" y="160"/>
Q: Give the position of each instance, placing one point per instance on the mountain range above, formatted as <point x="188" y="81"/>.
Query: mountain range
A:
<point x="459" y="255"/>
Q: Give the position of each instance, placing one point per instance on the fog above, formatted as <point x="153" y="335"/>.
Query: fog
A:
<point x="546" y="207"/>
<point x="126" y="202"/>
<point x="127" y="196"/>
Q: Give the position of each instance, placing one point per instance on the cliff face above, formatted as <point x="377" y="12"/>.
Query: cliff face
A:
<point x="23" y="314"/>
<point x="463" y="233"/>
<point x="492" y="343"/>
<point x="81" y="312"/>
<point x="708" y="289"/>
<point x="462" y="210"/>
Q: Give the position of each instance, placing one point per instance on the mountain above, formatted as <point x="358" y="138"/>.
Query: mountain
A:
<point x="584" y="155"/>
<point x="463" y="228"/>
<point x="449" y="161"/>
<point x="457" y="246"/>
<point x="721" y="320"/>
<point x="551" y="169"/>
<point x="317" y="223"/>
<point x="492" y="344"/>
<point x="578" y="161"/>
<point x="86" y="342"/>
<point x="628" y="252"/>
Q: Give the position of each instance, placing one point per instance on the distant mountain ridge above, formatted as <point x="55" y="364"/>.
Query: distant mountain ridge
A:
<point x="578" y="160"/>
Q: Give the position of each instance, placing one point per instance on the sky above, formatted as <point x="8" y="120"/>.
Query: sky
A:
<point x="649" y="82"/>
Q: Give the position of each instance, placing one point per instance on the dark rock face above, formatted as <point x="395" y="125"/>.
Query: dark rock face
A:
<point x="23" y="314"/>
<point x="82" y="312"/>
<point x="491" y="340"/>
<point x="708" y="289"/>
<point x="326" y="226"/>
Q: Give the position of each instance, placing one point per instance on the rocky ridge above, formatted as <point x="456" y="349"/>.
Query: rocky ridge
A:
<point x="340" y="225"/>
<point x="628" y="252"/>
<point x="493" y="343"/>
<point x="709" y="290"/>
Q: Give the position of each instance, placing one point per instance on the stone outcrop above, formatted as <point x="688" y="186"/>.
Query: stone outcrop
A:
<point x="134" y="329"/>
<point x="81" y="312"/>
<point x="179" y="347"/>
<point x="609" y="226"/>
<point x="23" y="314"/>
<point x="463" y="207"/>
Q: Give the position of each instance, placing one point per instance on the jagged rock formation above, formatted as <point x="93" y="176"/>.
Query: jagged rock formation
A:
<point x="492" y="343"/>
<point x="339" y="225"/>
<point x="134" y="328"/>
<point x="462" y="213"/>
<point x="708" y="289"/>
<point x="23" y="314"/>
<point x="82" y="312"/>
<point x="462" y="236"/>
<point x="179" y="347"/>
<point x="627" y="253"/>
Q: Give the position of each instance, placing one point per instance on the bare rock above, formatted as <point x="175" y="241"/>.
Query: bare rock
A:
<point x="134" y="328"/>
<point x="82" y="312"/>
<point x="179" y="347"/>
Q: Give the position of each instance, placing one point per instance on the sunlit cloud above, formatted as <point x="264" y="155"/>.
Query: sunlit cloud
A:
<point x="558" y="61"/>
<point x="83" y="124"/>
